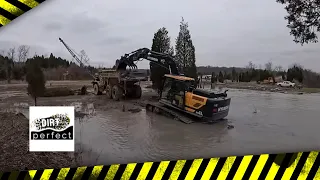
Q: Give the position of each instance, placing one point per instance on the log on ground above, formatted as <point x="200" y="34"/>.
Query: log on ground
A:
<point x="58" y="91"/>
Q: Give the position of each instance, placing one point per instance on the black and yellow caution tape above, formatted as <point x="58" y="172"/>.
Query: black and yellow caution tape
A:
<point x="266" y="166"/>
<point x="11" y="9"/>
<point x="286" y="166"/>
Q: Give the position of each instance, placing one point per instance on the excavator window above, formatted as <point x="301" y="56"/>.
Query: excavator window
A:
<point x="166" y="87"/>
<point x="178" y="95"/>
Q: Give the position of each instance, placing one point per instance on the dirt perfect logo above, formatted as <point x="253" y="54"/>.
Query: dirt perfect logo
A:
<point x="51" y="128"/>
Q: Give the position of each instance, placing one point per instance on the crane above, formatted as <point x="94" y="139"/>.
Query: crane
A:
<point x="73" y="54"/>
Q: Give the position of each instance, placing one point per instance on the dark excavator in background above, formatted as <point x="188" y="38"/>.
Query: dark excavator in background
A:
<point x="178" y="94"/>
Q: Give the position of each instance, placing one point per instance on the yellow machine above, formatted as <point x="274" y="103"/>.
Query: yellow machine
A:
<point x="178" y="93"/>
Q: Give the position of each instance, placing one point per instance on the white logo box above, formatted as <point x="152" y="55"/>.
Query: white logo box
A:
<point x="51" y="139"/>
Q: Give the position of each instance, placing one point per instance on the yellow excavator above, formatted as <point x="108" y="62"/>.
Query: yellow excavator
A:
<point x="178" y="95"/>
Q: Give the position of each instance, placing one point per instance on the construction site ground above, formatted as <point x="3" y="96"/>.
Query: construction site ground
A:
<point x="109" y="132"/>
<point x="14" y="103"/>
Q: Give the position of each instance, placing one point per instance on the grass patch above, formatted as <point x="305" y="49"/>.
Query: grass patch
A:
<point x="311" y="90"/>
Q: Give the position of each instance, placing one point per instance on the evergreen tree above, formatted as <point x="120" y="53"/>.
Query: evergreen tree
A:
<point x="9" y="66"/>
<point x="220" y="77"/>
<point x="185" y="52"/>
<point x="213" y="77"/>
<point x="160" y="43"/>
<point x="234" y="74"/>
<point x="295" y="72"/>
<point x="241" y="77"/>
<point x="247" y="77"/>
<point x="36" y="81"/>
<point x="171" y="51"/>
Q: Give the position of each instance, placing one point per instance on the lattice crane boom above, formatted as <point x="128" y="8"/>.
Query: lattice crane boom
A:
<point x="74" y="55"/>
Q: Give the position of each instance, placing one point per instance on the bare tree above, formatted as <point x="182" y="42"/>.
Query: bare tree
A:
<point x="11" y="53"/>
<point x="251" y="65"/>
<point x="278" y="68"/>
<point x="23" y="52"/>
<point x="10" y="63"/>
<point x="83" y="58"/>
<point x="268" y="66"/>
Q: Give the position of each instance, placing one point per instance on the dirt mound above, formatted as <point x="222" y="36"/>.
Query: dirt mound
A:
<point x="14" y="149"/>
<point x="58" y="91"/>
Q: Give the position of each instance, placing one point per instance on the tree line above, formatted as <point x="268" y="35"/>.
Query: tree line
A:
<point x="252" y="73"/>
<point x="13" y="65"/>
<point x="295" y="73"/>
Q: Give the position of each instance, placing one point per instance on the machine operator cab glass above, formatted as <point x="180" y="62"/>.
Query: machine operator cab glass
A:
<point x="174" y="88"/>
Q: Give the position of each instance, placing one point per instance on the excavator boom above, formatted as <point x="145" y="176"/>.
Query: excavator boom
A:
<point x="160" y="59"/>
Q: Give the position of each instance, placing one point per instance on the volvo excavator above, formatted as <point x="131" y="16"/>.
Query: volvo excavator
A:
<point x="178" y="95"/>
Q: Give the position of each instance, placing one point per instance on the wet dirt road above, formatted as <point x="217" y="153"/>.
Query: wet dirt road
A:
<point x="282" y="122"/>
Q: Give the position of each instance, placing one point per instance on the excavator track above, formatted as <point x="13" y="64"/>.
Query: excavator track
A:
<point x="160" y="109"/>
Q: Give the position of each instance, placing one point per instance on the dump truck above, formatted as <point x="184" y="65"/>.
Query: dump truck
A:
<point x="117" y="84"/>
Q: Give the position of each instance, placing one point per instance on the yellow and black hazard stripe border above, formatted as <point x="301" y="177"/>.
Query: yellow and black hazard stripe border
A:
<point x="266" y="166"/>
<point x="11" y="9"/>
<point x="303" y="165"/>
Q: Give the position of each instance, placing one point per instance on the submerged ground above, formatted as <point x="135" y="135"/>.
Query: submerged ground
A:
<point x="263" y="122"/>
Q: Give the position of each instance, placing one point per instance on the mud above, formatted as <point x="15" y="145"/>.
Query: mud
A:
<point x="263" y="122"/>
<point x="14" y="139"/>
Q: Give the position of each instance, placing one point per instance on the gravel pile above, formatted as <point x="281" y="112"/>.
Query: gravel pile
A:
<point x="14" y="149"/>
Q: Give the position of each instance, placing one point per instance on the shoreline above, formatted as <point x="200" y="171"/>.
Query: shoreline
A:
<point x="263" y="87"/>
<point x="77" y="84"/>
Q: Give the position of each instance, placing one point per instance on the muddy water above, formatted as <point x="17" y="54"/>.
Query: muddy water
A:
<point x="264" y="122"/>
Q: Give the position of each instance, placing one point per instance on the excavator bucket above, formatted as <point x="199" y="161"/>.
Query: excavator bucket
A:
<point x="128" y="60"/>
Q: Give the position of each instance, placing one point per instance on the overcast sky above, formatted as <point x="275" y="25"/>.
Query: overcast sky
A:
<point x="224" y="33"/>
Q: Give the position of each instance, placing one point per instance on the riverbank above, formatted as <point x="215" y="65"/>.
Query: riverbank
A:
<point x="265" y="87"/>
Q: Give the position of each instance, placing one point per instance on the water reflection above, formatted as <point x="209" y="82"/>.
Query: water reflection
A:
<point x="282" y="121"/>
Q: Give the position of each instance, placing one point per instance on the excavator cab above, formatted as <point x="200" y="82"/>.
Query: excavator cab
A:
<point x="179" y="92"/>
<point x="175" y="88"/>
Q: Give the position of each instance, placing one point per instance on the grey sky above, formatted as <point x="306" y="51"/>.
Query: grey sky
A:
<point x="225" y="33"/>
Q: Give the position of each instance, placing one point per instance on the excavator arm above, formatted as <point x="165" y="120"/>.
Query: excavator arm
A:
<point x="160" y="59"/>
